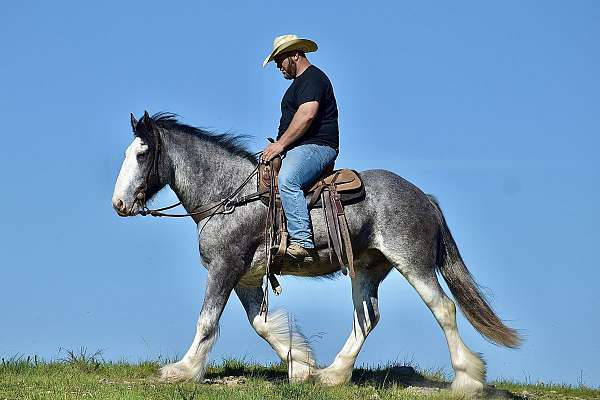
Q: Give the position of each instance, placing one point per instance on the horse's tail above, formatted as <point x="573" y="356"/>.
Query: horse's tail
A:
<point x="467" y="292"/>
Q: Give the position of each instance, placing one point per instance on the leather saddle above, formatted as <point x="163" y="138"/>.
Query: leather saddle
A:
<point x="347" y="182"/>
<point x="330" y="191"/>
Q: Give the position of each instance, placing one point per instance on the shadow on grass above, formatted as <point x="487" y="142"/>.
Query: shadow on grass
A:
<point x="407" y="376"/>
<point x="240" y="368"/>
<point x="387" y="377"/>
<point x="395" y="375"/>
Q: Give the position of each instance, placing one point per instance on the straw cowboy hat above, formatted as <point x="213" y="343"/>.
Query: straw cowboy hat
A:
<point x="286" y="43"/>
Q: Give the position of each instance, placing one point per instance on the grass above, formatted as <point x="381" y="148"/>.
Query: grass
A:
<point x="80" y="375"/>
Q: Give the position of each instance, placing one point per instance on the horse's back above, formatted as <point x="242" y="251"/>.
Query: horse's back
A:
<point x="385" y="189"/>
<point x="393" y="209"/>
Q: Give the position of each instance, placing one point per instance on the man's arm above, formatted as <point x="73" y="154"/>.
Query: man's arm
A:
<point x="300" y="123"/>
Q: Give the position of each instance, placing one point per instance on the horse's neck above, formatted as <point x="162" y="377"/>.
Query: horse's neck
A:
<point x="203" y="173"/>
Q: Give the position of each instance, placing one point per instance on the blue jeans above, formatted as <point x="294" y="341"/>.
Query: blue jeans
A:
<point x="301" y="167"/>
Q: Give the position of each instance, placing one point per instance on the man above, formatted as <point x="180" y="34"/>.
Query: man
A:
<point x="308" y="137"/>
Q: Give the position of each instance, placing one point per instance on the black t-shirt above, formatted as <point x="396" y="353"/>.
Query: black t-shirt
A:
<point x="312" y="85"/>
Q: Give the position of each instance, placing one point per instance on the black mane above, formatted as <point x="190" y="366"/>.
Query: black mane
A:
<point x="236" y="144"/>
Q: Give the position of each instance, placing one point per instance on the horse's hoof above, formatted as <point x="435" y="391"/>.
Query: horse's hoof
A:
<point x="175" y="372"/>
<point x="467" y="386"/>
<point x="300" y="372"/>
<point x="332" y="377"/>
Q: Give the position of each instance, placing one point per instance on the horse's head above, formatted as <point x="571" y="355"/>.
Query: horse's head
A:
<point x="140" y="177"/>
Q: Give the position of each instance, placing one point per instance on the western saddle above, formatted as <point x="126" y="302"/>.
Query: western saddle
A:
<point x="331" y="191"/>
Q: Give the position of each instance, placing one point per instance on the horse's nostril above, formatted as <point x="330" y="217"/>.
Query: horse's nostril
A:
<point x="119" y="205"/>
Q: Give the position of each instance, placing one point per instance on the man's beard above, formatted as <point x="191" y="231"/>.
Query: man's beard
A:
<point x="293" y="68"/>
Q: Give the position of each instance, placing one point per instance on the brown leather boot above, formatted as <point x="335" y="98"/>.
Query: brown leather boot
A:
<point x="298" y="254"/>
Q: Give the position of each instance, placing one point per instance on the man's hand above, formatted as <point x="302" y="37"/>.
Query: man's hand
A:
<point x="272" y="151"/>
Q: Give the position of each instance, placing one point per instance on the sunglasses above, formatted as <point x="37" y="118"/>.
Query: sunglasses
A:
<point x="280" y="57"/>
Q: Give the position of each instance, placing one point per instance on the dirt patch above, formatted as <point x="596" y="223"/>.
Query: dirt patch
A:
<point x="226" y="381"/>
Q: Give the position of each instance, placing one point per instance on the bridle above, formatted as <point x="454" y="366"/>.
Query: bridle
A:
<point x="224" y="206"/>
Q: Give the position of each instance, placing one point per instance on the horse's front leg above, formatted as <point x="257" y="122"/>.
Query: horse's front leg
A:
<point x="222" y="277"/>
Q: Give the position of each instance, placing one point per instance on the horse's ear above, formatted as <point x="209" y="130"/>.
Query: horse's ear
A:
<point x="148" y="131"/>
<point x="147" y="120"/>
<point x="148" y="123"/>
<point x="133" y="122"/>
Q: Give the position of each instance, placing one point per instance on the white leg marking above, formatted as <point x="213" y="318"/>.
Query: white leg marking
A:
<point x="469" y="368"/>
<point x="365" y="318"/>
<point x="289" y="343"/>
<point x="193" y="364"/>
<point x="282" y="334"/>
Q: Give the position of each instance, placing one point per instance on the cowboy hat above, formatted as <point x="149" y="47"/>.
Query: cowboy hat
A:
<point x="286" y="43"/>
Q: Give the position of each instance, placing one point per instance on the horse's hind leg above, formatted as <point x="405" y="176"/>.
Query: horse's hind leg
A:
<point x="469" y="368"/>
<point x="365" y="317"/>
<point x="279" y="331"/>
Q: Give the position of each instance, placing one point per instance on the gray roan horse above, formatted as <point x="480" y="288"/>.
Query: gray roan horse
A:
<point x="396" y="226"/>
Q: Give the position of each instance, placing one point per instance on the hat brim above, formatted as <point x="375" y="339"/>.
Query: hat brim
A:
<point x="304" y="45"/>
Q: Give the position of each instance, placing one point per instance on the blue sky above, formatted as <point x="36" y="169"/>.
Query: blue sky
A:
<point x="492" y="107"/>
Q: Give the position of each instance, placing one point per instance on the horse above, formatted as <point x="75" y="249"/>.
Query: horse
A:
<point x="396" y="226"/>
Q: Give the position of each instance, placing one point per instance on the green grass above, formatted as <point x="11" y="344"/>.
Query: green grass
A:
<point x="79" y="375"/>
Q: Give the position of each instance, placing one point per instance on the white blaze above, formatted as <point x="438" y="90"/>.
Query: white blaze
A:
<point x="130" y="176"/>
